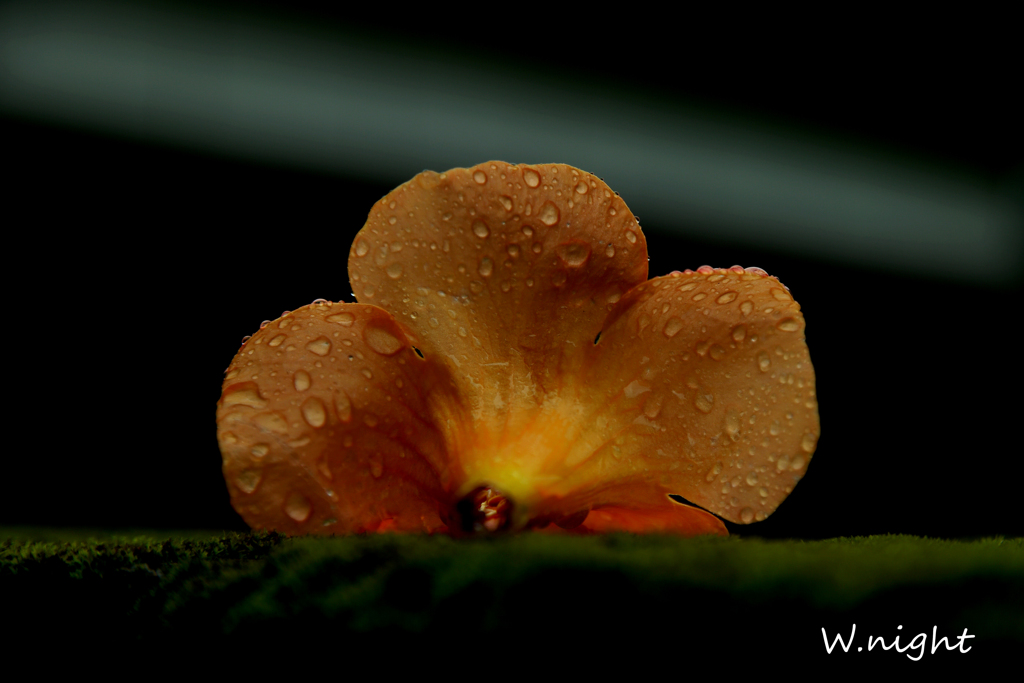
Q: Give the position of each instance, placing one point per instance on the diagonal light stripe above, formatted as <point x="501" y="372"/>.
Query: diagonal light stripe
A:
<point x="315" y="100"/>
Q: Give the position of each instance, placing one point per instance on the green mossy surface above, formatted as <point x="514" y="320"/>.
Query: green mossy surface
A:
<point x="750" y="594"/>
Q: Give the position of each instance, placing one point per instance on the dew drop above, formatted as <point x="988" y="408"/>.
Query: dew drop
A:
<point x="699" y="296"/>
<point x="797" y="463"/>
<point x="739" y="333"/>
<point x="763" y="361"/>
<point x="775" y="428"/>
<point x="367" y="373"/>
<point x="369" y="291"/>
<point x="781" y="295"/>
<point x="746" y="307"/>
<point x="513" y="250"/>
<point x="732" y="425"/>
<point x="788" y="325"/>
<point x="558" y="278"/>
<point x="673" y="326"/>
<point x="462" y="331"/>
<point x="631" y="237"/>
<point x="548" y="214"/>
<point x="433" y="322"/>
<point x="298" y="507"/>
<point x="392" y="220"/>
<point x="486" y="267"/>
<point x="727" y="298"/>
<point x="479" y="177"/>
<point x="272" y="422"/>
<point x="301" y="380"/>
<point x="371" y="420"/>
<point x="345" y="319"/>
<point x="537" y="247"/>
<point x="609" y="251"/>
<point x="751" y="478"/>
<point x="573" y="254"/>
<point x="320" y="346"/>
<point x="809" y="442"/>
<point x="382" y="341"/>
<point x="528" y="231"/>
<point x="476" y="286"/>
<point x="362" y="248"/>
<point x="276" y="341"/>
<point x="716" y="352"/>
<point x="248" y="480"/>
<point x="714" y="472"/>
<point x="246" y="394"/>
<point x="531" y="177"/>
<point x="506" y="285"/>
<point x="313" y="412"/>
<point x="582" y="188"/>
<point x="704" y="401"/>
<point x="343" y="406"/>
<point x="506" y="202"/>
<point x="746" y="515"/>
<point x="394" y="271"/>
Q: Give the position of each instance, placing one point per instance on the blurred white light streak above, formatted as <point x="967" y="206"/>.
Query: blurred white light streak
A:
<point x="245" y="88"/>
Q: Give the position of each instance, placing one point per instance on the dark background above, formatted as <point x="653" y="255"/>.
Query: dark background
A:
<point x="133" y="270"/>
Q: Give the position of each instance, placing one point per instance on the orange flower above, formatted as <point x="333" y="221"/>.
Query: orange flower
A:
<point x="511" y="366"/>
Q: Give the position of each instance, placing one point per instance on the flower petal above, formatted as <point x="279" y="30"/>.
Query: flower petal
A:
<point x="504" y="273"/>
<point x="700" y="385"/>
<point x="325" y="426"/>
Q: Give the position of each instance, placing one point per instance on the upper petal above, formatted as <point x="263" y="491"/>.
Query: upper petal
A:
<point x="326" y="425"/>
<point x="503" y="273"/>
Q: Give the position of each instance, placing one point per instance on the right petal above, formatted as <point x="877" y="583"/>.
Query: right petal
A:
<point x="325" y="426"/>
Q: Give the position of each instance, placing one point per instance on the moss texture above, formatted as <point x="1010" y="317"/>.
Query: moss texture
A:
<point x="597" y="594"/>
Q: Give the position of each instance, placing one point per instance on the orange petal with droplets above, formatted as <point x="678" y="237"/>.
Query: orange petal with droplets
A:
<point x="700" y="385"/>
<point x="325" y="426"/>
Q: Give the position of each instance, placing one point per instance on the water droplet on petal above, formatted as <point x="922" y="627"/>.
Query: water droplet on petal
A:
<point x="704" y="401"/>
<point x="548" y="214"/>
<point x="809" y="442"/>
<point x="376" y="465"/>
<point x="739" y="333"/>
<point x="371" y="420"/>
<point x="276" y="341"/>
<point x="797" y="463"/>
<point x="394" y="271"/>
<point x="558" y="278"/>
<point x="775" y="428"/>
<point x="746" y="307"/>
<point x="272" y="422"/>
<point x="531" y="177"/>
<point x="528" y="231"/>
<point x="301" y="380"/>
<point x="313" y="412"/>
<point x="486" y="267"/>
<point x="476" y="286"/>
<point x="631" y="237"/>
<point x="746" y="515"/>
<point x="513" y="250"/>
<point x="732" y="425"/>
<point x="763" y="361"/>
<point x="781" y="295"/>
<point x="245" y="394"/>
<point x="673" y="326"/>
<point x="248" y="480"/>
<point x="343" y="406"/>
<point x="320" y="346"/>
<point x="751" y="478"/>
<point x="260" y="450"/>
<point x="609" y="251"/>
<point x="480" y="229"/>
<point x="714" y="472"/>
<point x="506" y="202"/>
<point x="479" y="177"/>
<point x="345" y="319"/>
<point x="727" y="298"/>
<point x="298" y="507"/>
<point x="362" y="248"/>
<point x="716" y="352"/>
<point x="367" y="373"/>
<point x="573" y="254"/>
<point x="382" y="341"/>
<point x="788" y="325"/>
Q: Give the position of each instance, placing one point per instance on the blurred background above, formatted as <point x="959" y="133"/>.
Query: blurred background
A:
<point x="175" y="173"/>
